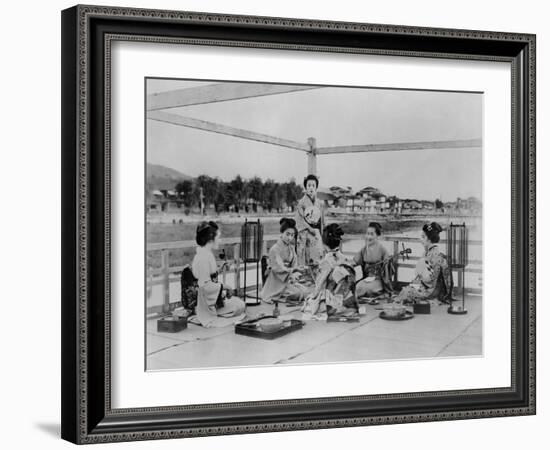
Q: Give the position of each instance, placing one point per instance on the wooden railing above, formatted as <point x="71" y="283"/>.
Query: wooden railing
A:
<point x="162" y="275"/>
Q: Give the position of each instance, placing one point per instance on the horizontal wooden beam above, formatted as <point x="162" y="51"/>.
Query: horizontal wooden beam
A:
<point x="213" y="93"/>
<point x="401" y="146"/>
<point x="189" y="122"/>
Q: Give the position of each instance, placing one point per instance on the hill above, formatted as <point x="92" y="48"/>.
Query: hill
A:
<point x="162" y="177"/>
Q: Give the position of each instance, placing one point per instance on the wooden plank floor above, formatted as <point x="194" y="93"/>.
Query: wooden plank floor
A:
<point x="425" y="336"/>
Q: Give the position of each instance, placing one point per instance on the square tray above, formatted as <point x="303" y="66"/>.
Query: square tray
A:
<point x="169" y="325"/>
<point x="248" y="329"/>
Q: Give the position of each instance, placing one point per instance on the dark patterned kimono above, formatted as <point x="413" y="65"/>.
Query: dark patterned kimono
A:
<point x="334" y="293"/>
<point x="433" y="279"/>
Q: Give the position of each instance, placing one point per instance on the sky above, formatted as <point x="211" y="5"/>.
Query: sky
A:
<point x="334" y="116"/>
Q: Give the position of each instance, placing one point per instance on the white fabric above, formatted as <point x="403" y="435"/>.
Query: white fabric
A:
<point x="204" y="265"/>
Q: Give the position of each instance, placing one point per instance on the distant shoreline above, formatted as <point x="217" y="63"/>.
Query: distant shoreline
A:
<point x="169" y="228"/>
<point x="179" y="218"/>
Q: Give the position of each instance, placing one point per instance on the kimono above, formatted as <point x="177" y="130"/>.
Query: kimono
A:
<point x="309" y="224"/>
<point x="334" y="294"/>
<point x="211" y="308"/>
<point x="433" y="279"/>
<point x="278" y="285"/>
<point x="369" y="254"/>
<point x="189" y="289"/>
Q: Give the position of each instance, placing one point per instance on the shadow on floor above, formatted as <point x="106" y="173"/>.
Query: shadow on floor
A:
<point x="53" y="429"/>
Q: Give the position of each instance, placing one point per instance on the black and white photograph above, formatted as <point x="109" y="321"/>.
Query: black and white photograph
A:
<point x="275" y="225"/>
<point x="291" y="224"/>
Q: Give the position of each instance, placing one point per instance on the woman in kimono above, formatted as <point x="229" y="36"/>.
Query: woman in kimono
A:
<point x="309" y="223"/>
<point x="371" y="259"/>
<point x="281" y="281"/>
<point x="433" y="278"/>
<point x="334" y="293"/>
<point x="213" y="308"/>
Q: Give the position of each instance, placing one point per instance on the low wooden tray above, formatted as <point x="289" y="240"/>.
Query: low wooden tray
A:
<point x="250" y="328"/>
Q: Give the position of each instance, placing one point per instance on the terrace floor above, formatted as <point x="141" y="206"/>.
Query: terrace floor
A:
<point x="438" y="334"/>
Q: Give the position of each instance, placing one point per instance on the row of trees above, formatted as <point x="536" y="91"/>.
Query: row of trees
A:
<point x="238" y="193"/>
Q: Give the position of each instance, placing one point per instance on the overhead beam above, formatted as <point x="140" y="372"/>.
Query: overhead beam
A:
<point x="400" y="146"/>
<point x="189" y="122"/>
<point x="213" y="93"/>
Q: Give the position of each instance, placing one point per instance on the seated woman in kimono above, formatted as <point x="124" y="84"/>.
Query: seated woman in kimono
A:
<point x="281" y="283"/>
<point x="334" y="293"/>
<point x="213" y="308"/>
<point x="433" y="278"/>
<point x="372" y="259"/>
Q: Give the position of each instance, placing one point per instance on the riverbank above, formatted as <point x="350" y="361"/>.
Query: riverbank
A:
<point x="230" y="225"/>
<point x="231" y="228"/>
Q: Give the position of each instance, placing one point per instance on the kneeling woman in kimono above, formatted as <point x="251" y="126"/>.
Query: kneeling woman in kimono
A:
<point x="213" y="308"/>
<point x="375" y="264"/>
<point x="281" y="281"/>
<point x="334" y="294"/>
<point x="433" y="276"/>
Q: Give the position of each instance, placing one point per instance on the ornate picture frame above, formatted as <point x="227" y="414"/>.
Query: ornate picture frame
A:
<point x="88" y="33"/>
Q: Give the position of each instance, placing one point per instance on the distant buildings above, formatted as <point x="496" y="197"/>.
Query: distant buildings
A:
<point x="371" y="200"/>
<point x="163" y="200"/>
<point x="368" y="200"/>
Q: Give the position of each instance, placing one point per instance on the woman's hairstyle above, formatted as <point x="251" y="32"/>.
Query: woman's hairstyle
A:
<point x="287" y="223"/>
<point x="311" y="177"/>
<point x="332" y="235"/>
<point x="432" y="231"/>
<point x="206" y="232"/>
<point x="376" y="226"/>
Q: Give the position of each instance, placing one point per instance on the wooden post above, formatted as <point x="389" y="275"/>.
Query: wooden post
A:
<point x="236" y="259"/>
<point x="165" y="260"/>
<point x="312" y="156"/>
<point x="396" y="260"/>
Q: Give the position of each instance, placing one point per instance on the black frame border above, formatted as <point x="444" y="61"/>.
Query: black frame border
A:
<point x="87" y="32"/>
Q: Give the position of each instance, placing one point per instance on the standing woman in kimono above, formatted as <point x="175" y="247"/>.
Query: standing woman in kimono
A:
<point x="281" y="282"/>
<point x="213" y="308"/>
<point x="433" y="277"/>
<point x="373" y="252"/>
<point x="309" y="223"/>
